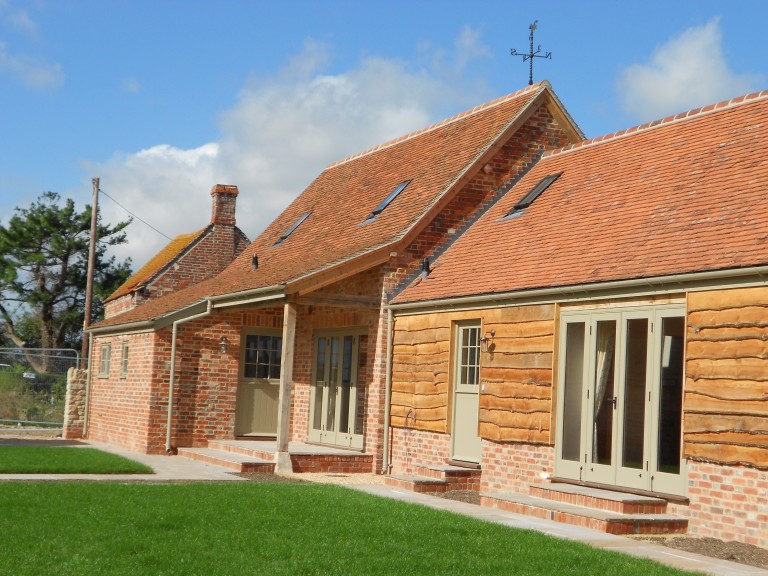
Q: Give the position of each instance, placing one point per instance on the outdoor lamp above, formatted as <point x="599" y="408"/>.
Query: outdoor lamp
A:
<point x="223" y="345"/>
<point x="486" y="341"/>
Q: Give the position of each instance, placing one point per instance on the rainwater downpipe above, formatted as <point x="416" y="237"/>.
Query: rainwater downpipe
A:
<point x="87" y="408"/>
<point x="172" y="379"/>
<point x="387" y="392"/>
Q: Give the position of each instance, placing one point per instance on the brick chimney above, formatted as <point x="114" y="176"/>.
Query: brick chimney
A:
<point x="224" y="199"/>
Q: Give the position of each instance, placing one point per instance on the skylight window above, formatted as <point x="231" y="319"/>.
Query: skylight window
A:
<point x="292" y="228"/>
<point x="387" y="201"/>
<point x="529" y="198"/>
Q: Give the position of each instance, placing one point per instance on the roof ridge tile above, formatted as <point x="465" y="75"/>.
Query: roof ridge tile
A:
<point x="498" y="101"/>
<point x="693" y="113"/>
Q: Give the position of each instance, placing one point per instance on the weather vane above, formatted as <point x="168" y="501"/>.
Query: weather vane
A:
<point x="531" y="54"/>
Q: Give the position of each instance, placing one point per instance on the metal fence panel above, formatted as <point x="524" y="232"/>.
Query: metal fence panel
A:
<point x="33" y="385"/>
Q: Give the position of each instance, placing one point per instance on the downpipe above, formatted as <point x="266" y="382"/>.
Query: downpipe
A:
<point x="385" y="467"/>
<point x="172" y="379"/>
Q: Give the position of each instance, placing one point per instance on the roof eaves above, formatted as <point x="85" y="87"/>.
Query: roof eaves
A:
<point x="672" y="283"/>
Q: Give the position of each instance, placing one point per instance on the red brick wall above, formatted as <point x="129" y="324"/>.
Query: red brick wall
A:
<point x="727" y="502"/>
<point x="120" y="406"/>
<point x="511" y="467"/>
<point x="412" y="448"/>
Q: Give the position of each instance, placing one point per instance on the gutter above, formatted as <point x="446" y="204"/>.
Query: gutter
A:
<point x="657" y="285"/>
<point x="388" y="392"/>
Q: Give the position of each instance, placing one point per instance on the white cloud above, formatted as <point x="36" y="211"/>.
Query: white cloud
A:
<point x="274" y="141"/>
<point x="18" y="18"/>
<point x="688" y="71"/>
<point x="31" y="72"/>
<point x="131" y="85"/>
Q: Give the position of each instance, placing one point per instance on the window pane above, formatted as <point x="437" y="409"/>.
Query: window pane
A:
<point x="573" y="391"/>
<point x="605" y="364"/>
<point x="634" y="393"/>
<point x="671" y="397"/>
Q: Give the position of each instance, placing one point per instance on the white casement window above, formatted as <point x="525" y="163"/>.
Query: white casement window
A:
<point x="124" y="360"/>
<point x="106" y="352"/>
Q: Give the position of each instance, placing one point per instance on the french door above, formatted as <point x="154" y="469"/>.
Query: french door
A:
<point x="337" y="404"/>
<point x="620" y="397"/>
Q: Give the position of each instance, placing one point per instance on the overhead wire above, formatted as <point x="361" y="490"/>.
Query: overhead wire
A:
<point x="134" y="215"/>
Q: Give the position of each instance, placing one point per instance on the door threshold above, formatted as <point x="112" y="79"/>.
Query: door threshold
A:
<point x="337" y="446"/>
<point x="464" y="464"/>
<point x="676" y="498"/>
<point x="257" y="437"/>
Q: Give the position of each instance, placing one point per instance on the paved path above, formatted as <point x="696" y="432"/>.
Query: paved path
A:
<point x="176" y="468"/>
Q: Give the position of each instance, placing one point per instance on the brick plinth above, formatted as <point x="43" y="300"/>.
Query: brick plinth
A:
<point x="726" y="502"/>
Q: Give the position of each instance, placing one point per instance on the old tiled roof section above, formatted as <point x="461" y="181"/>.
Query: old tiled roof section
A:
<point x="162" y="259"/>
<point x="682" y="195"/>
<point x="345" y="193"/>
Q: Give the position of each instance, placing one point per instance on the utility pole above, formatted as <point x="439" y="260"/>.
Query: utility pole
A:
<point x="531" y="54"/>
<point x="89" y="279"/>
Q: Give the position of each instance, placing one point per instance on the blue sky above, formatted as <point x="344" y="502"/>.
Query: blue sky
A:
<point x="163" y="99"/>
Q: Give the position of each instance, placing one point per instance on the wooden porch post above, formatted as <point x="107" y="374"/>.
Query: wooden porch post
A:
<point x="282" y="458"/>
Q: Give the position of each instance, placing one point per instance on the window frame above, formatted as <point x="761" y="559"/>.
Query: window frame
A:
<point x="124" y="356"/>
<point x="105" y="358"/>
<point x="257" y="333"/>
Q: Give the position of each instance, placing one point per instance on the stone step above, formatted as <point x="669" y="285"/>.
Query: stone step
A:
<point x="304" y="457"/>
<point x="602" y="520"/>
<point x="458" y="477"/>
<point x="251" y="449"/>
<point x="598" y="498"/>
<point x="414" y="483"/>
<point x="230" y="460"/>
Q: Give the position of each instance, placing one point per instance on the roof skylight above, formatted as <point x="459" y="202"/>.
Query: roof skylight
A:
<point x="292" y="228"/>
<point x="387" y="201"/>
<point x="529" y="198"/>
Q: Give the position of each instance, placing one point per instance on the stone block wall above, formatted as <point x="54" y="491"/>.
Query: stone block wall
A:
<point x="74" y="405"/>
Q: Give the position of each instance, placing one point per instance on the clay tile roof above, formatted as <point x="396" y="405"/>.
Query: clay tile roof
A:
<point x="160" y="261"/>
<point x="685" y="194"/>
<point x="342" y="197"/>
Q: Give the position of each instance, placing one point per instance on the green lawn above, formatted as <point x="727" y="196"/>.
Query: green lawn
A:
<point x="65" y="460"/>
<point x="276" y="529"/>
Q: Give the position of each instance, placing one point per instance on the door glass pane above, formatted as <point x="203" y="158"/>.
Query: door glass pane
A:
<point x="469" y="346"/>
<point x="333" y="382"/>
<point x="262" y="356"/>
<point x="604" y="392"/>
<point x="671" y="394"/>
<point x="346" y="384"/>
<point x="573" y="390"/>
<point x="320" y="379"/>
<point x="634" y="393"/>
<point x="361" y="388"/>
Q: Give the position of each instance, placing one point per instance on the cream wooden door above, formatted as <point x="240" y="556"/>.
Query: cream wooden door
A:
<point x="466" y="445"/>
<point x="259" y="384"/>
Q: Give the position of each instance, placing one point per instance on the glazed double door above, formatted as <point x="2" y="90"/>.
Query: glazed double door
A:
<point x="620" y="399"/>
<point x="337" y="406"/>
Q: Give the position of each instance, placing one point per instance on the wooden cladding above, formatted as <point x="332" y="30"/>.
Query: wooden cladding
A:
<point x="515" y="373"/>
<point x="726" y="389"/>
